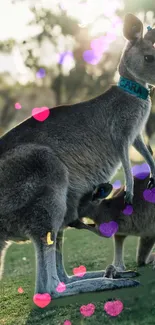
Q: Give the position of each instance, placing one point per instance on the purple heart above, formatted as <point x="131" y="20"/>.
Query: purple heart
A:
<point x="149" y="195"/>
<point x="141" y="171"/>
<point x="128" y="210"/>
<point x="41" y="73"/>
<point x="108" y="229"/>
<point x="99" y="45"/>
<point x="64" y="55"/>
<point x="92" y="57"/>
<point x="116" y="184"/>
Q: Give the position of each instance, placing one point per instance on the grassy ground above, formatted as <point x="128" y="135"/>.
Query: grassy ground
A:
<point x="81" y="248"/>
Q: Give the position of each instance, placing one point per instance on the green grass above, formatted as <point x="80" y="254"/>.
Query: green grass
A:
<point x="81" y="247"/>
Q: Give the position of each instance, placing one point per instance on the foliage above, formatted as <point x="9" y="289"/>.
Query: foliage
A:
<point x="62" y="33"/>
<point x="7" y="46"/>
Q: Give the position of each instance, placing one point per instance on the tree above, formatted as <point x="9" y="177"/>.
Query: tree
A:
<point x="84" y="80"/>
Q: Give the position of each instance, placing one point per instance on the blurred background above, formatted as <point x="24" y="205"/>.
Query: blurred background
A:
<point x="54" y="52"/>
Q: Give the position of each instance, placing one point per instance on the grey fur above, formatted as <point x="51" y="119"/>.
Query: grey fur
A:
<point x="141" y="223"/>
<point x="45" y="168"/>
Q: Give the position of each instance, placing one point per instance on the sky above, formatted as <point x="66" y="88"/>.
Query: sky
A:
<point x="13" y="19"/>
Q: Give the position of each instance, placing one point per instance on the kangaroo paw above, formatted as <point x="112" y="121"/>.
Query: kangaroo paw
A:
<point x="112" y="272"/>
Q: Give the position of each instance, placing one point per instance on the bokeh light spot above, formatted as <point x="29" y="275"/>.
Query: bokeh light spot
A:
<point x="65" y="56"/>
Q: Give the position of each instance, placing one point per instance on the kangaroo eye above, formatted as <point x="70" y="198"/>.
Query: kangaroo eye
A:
<point x="149" y="58"/>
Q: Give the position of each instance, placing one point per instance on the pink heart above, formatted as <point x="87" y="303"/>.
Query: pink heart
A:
<point x="113" y="308"/>
<point x="20" y="290"/>
<point x="67" y="322"/>
<point x="42" y="299"/>
<point x="41" y="113"/>
<point x="108" y="229"/>
<point x="61" y="287"/>
<point x="149" y="195"/>
<point x="79" y="271"/>
<point x="18" y="106"/>
<point x="87" y="310"/>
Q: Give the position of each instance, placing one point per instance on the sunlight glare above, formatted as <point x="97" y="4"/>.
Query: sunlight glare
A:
<point x="89" y="12"/>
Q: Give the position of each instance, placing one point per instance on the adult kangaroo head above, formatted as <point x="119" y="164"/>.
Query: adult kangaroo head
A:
<point x="138" y="58"/>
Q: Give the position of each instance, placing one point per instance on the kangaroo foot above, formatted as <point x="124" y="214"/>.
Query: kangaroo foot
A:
<point x="112" y="272"/>
<point x="128" y="198"/>
<point x="99" y="284"/>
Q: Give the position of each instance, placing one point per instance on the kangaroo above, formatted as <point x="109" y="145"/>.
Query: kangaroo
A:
<point x="140" y="223"/>
<point x="46" y="167"/>
<point x="150" y="126"/>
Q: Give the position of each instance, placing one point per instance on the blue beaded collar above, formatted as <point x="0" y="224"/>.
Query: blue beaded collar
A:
<point x="133" y="88"/>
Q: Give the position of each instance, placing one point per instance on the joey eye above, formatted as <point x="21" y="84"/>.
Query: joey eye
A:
<point x="149" y="58"/>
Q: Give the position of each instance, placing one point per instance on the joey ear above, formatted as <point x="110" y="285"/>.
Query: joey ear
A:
<point x="118" y="191"/>
<point x="133" y="27"/>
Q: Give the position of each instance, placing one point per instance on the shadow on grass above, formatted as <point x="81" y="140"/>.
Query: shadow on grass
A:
<point x="138" y="305"/>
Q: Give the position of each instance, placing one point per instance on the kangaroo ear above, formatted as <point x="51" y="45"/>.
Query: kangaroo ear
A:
<point x="133" y="28"/>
